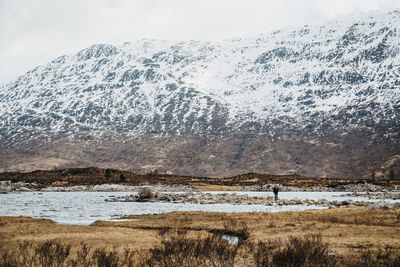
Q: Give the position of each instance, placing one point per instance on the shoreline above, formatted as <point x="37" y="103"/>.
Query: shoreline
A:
<point x="9" y="186"/>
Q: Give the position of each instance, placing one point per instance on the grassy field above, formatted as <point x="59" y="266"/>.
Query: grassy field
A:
<point x="351" y="236"/>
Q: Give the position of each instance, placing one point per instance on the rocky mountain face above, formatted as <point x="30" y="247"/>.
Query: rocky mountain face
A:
<point x="320" y="100"/>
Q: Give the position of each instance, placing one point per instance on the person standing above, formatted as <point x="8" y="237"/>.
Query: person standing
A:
<point x="276" y="191"/>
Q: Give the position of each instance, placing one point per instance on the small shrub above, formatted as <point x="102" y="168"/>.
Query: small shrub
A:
<point x="128" y="258"/>
<point x="25" y="253"/>
<point x="392" y="175"/>
<point x="218" y="251"/>
<point x="82" y="256"/>
<point x="122" y="177"/>
<point x="145" y="193"/>
<point x="260" y="254"/>
<point x="366" y="258"/>
<point x="10" y="259"/>
<point x="177" y="249"/>
<point x="303" y="251"/>
<point x="52" y="253"/>
<point x="103" y="258"/>
<point x="107" y="174"/>
<point x="385" y="256"/>
<point x="23" y="256"/>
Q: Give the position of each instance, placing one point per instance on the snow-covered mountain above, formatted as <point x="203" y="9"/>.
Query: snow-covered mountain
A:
<point x="324" y="87"/>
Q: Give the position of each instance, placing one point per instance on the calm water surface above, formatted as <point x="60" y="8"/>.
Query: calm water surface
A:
<point x="87" y="207"/>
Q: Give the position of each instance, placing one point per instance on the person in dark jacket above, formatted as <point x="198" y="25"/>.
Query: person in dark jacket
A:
<point x="276" y="191"/>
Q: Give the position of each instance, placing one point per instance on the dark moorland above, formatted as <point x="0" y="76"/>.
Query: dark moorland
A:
<point x="94" y="176"/>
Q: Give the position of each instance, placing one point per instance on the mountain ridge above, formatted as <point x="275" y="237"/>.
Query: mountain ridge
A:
<point x="330" y="85"/>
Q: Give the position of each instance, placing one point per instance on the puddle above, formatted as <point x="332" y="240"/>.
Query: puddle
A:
<point x="232" y="239"/>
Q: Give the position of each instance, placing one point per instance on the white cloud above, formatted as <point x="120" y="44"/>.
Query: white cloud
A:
<point x="34" y="32"/>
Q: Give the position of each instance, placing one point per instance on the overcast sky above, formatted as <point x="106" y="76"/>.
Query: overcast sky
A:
<point x="33" y="32"/>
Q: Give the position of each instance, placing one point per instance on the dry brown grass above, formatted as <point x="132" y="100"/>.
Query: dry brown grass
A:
<point x="215" y="187"/>
<point x="16" y="229"/>
<point x="350" y="232"/>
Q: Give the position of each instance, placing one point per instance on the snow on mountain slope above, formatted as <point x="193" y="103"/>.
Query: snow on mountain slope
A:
<point x="311" y="80"/>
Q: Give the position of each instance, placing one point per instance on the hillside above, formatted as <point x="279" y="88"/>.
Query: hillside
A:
<point x="321" y="100"/>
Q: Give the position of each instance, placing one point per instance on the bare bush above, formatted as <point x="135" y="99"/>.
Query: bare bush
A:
<point x="260" y="254"/>
<point x="383" y="257"/>
<point x="9" y="259"/>
<point x="177" y="249"/>
<point x="129" y="258"/>
<point x="218" y="251"/>
<point x="103" y="258"/>
<point x="49" y="254"/>
<point x="26" y="256"/>
<point x="303" y="251"/>
<point x="145" y="193"/>
<point x="82" y="256"/>
<point x="52" y="253"/>
<point x="23" y="256"/>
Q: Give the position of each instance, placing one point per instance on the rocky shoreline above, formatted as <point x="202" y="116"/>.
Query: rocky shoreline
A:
<point x="359" y="187"/>
<point x="234" y="198"/>
<point x="376" y="196"/>
<point x="9" y="187"/>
